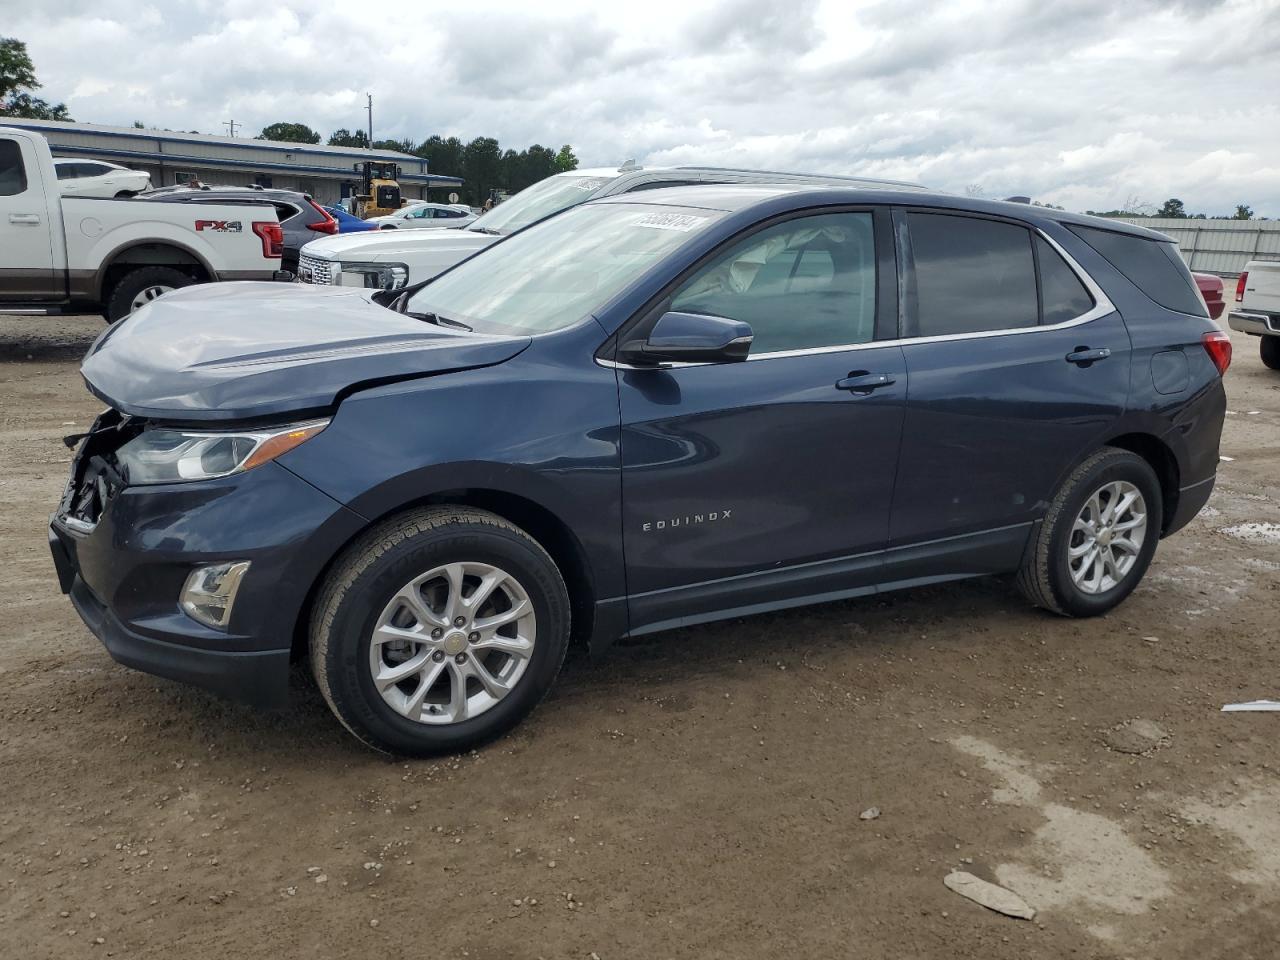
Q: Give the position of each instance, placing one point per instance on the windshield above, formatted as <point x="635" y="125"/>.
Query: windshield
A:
<point x="559" y="271"/>
<point x="541" y="200"/>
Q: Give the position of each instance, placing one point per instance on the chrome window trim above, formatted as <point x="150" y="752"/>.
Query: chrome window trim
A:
<point x="1102" y="306"/>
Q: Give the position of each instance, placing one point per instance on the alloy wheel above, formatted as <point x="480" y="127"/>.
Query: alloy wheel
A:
<point x="147" y="294"/>
<point x="452" y="643"/>
<point x="1107" y="537"/>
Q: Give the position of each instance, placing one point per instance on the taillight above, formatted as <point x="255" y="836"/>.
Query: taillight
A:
<point x="272" y="236"/>
<point x="327" y="225"/>
<point x="1218" y="345"/>
<point x="1244" y="278"/>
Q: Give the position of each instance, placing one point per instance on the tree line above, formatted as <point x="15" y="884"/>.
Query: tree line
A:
<point x="482" y="163"/>
<point x="1174" y="209"/>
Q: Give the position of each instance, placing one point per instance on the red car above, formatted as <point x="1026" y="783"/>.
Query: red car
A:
<point x="1211" y="289"/>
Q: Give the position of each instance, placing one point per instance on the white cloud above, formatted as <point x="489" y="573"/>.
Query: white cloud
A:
<point x="1079" y="102"/>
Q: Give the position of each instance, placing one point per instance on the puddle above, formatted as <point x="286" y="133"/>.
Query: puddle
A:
<point x="1254" y="532"/>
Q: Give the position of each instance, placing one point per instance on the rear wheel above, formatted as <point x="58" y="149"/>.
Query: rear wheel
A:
<point x="439" y="630"/>
<point x="139" y="287"/>
<point x="1269" y="347"/>
<point x="1097" y="538"/>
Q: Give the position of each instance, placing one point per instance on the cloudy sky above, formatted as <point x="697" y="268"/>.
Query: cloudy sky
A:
<point x="1085" y="103"/>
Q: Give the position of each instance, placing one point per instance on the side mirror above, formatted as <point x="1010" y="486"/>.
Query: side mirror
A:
<point x="690" y="338"/>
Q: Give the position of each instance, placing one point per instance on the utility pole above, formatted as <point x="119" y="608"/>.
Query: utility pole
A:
<point x="231" y="126"/>
<point x="370" y="96"/>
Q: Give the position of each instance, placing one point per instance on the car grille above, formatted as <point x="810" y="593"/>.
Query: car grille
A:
<point x="312" y="270"/>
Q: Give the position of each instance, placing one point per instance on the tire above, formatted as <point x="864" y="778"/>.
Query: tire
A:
<point x="1048" y="577"/>
<point x="1269" y="347"/>
<point x="119" y="301"/>
<point x="383" y="566"/>
<point x="126" y="194"/>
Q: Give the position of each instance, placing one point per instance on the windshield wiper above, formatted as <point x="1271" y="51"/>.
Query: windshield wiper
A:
<point x="438" y="320"/>
<point x="489" y="230"/>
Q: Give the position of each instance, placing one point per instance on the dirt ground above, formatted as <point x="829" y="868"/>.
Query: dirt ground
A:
<point x="697" y="795"/>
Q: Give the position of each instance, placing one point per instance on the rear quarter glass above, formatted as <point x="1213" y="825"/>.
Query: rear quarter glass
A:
<point x="1153" y="266"/>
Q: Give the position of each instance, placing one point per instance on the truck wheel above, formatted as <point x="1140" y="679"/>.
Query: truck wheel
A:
<point x="438" y="630"/>
<point x="1269" y="347"/>
<point x="139" y="287"/>
<point x="1097" y="538"/>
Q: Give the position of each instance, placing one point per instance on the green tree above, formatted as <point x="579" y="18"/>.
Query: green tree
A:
<point x="1172" y="207"/>
<point x="289" y="132"/>
<point x="1243" y="212"/>
<point x="345" y="138"/>
<point x="565" y="159"/>
<point x="17" y="80"/>
<point x="481" y="169"/>
<point x="404" y="146"/>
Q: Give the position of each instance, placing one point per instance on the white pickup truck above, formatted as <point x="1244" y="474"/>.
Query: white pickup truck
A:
<point x="110" y="256"/>
<point x="1258" y="313"/>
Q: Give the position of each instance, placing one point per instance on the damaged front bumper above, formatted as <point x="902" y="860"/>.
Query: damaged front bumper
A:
<point x="124" y="555"/>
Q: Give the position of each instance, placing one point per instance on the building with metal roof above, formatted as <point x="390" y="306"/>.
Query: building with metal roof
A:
<point x="173" y="157"/>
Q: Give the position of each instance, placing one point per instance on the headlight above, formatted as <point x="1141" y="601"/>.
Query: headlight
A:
<point x="163" y="455"/>
<point x="375" y="276"/>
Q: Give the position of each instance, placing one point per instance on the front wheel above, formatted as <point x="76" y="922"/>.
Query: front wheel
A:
<point x="1269" y="347"/>
<point x="439" y="630"/>
<point x="1097" y="538"/>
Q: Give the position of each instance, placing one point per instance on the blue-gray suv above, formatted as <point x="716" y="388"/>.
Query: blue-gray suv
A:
<point x="649" y="411"/>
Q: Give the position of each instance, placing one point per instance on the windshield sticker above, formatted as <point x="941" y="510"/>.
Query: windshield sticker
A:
<point x="684" y="222"/>
<point x="590" y="183"/>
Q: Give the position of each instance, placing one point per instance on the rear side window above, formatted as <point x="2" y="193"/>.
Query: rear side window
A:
<point x="1152" y="266"/>
<point x="1062" y="296"/>
<point x="971" y="275"/>
<point x="13" y="175"/>
<point x="66" y="171"/>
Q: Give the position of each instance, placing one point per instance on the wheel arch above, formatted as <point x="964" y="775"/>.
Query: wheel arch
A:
<point x="154" y="253"/>
<point x="536" y="519"/>
<point x="1161" y="458"/>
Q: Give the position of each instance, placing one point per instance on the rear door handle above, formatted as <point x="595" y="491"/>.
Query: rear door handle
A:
<point x="1083" y="356"/>
<point x="24" y="218"/>
<point x="861" y="382"/>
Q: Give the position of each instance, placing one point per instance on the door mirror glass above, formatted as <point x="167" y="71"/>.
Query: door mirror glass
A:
<point x="690" y="338"/>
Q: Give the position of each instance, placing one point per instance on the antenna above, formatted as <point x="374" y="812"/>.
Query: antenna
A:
<point x="231" y="126"/>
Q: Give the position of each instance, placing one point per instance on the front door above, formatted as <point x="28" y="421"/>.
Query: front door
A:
<point x="748" y="485"/>
<point x="1017" y="370"/>
<point x="26" y="238"/>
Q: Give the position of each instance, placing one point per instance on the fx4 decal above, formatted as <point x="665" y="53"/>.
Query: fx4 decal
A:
<point x="220" y="226"/>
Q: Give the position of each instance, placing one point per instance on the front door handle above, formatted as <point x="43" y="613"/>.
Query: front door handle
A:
<point x="1083" y="356"/>
<point x="862" y="383"/>
<point x="24" y="218"/>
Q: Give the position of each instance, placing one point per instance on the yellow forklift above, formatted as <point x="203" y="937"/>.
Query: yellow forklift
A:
<point x="380" y="191"/>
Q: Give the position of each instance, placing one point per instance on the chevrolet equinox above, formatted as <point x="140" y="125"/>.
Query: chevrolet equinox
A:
<point x="646" y="412"/>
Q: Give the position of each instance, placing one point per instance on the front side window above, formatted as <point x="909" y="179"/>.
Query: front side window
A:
<point x="13" y="175"/>
<point x="560" y="271"/>
<point x="801" y="284"/>
<point x="971" y="276"/>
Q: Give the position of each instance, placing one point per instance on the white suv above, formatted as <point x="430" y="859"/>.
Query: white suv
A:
<point x="97" y="178"/>
<point x="390" y="259"/>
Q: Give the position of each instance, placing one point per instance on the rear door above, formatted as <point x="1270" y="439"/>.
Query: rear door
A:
<point x="26" y="235"/>
<point x="747" y="485"/>
<point x="1018" y="365"/>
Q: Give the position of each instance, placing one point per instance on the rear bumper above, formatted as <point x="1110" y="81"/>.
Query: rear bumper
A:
<point x="1191" y="501"/>
<point x="1258" y="324"/>
<point x="259" y="678"/>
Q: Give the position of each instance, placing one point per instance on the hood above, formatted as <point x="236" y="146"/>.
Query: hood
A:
<point x="242" y="351"/>
<point x="407" y="246"/>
